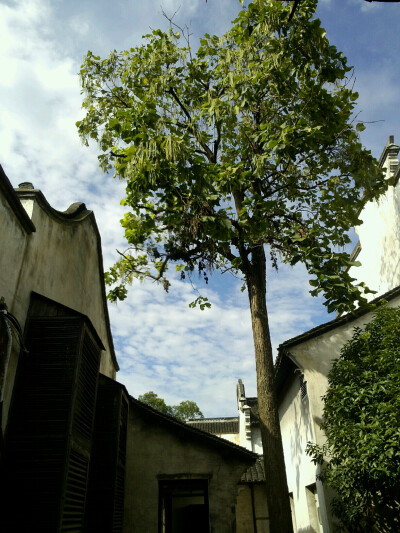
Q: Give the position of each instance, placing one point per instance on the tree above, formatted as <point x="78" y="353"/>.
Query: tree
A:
<point x="247" y="147"/>
<point x="152" y="399"/>
<point x="185" y="410"/>
<point x="361" y="423"/>
<point x="296" y="4"/>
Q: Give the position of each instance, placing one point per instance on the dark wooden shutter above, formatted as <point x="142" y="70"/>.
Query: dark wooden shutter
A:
<point x="107" y="468"/>
<point x="48" y="441"/>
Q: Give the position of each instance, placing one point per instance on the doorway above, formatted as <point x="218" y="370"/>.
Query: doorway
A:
<point x="184" y="506"/>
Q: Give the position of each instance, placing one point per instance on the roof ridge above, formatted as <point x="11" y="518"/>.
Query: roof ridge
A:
<point x="196" y="431"/>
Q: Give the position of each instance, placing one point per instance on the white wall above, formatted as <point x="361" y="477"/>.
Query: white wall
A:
<point x="301" y="419"/>
<point x="379" y="235"/>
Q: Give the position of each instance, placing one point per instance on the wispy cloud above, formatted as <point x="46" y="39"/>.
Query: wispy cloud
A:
<point x="162" y="345"/>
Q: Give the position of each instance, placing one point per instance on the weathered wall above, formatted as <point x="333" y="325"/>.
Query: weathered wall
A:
<point x="156" y="450"/>
<point x="60" y="260"/>
<point x="256" y="442"/>
<point x="301" y="419"/>
<point x="13" y="242"/>
<point x="249" y="497"/>
<point x="297" y="430"/>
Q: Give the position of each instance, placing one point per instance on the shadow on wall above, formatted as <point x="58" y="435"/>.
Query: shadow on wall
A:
<point x="390" y="264"/>
<point x="299" y="439"/>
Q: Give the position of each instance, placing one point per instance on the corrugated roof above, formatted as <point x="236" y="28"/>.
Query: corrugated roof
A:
<point x="255" y="473"/>
<point x="216" y="426"/>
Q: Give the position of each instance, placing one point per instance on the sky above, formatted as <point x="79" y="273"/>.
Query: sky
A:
<point x="161" y="344"/>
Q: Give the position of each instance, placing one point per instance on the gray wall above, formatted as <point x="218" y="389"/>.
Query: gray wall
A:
<point x="157" y="450"/>
<point x="60" y="260"/>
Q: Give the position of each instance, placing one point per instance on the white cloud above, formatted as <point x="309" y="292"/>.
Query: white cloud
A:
<point x="162" y="345"/>
<point x="196" y="354"/>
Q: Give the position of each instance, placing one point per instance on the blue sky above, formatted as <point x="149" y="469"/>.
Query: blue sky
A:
<point x="162" y="345"/>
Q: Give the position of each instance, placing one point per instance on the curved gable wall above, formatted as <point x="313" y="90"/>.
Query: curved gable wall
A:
<point x="56" y="254"/>
<point x="63" y="261"/>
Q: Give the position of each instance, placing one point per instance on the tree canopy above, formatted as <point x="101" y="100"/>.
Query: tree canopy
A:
<point x="361" y="423"/>
<point x="251" y="140"/>
<point x="245" y="146"/>
<point x="185" y="410"/>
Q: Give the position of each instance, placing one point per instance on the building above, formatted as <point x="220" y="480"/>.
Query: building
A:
<point x="302" y="368"/>
<point x="303" y="362"/>
<point x="77" y="452"/>
<point x="378" y="248"/>
<point x="244" y="429"/>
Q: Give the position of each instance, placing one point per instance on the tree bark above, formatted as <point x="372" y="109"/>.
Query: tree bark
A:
<point x="274" y="464"/>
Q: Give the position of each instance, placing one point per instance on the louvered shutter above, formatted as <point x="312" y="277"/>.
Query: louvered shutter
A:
<point x="107" y="468"/>
<point x="49" y="434"/>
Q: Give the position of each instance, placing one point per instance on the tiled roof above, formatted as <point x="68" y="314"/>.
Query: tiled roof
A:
<point x="216" y="426"/>
<point x="255" y="473"/>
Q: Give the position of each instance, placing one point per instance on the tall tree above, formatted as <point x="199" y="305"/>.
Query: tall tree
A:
<point x="243" y="149"/>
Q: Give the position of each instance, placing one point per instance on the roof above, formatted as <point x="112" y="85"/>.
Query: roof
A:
<point x="340" y="321"/>
<point x="284" y="363"/>
<point x="185" y="430"/>
<point x="75" y="212"/>
<point x="216" y="425"/>
<point x="13" y="201"/>
<point x="255" y="473"/>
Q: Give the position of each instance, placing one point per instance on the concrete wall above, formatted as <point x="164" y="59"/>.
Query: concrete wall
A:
<point x="158" y="451"/>
<point x="301" y="419"/>
<point x="60" y="261"/>
<point x="252" y="497"/>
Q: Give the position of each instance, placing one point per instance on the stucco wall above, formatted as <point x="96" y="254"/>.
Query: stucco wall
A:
<point x="231" y="437"/>
<point x="379" y="235"/>
<point x="297" y="430"/>
<point x="13" y="240"/>
<point x="256" y="442"/>
<point x="301" y="419"/>
<point x="380" y="244"/>
<point x="60" y="260"/>
<point x="156" y="450"/>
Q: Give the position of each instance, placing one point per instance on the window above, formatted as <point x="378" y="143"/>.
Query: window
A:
<point x="183" y="506"/>
<point x="303" y="387"/>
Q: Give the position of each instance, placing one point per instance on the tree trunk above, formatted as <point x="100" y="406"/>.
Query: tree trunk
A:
<point x="275" y="473"/>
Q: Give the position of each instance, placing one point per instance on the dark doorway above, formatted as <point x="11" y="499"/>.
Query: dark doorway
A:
<point x="184" y="506"/>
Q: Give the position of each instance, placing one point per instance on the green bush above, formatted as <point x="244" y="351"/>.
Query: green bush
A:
<point x="362" y="426"/>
